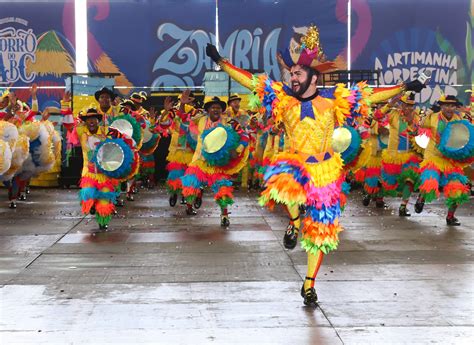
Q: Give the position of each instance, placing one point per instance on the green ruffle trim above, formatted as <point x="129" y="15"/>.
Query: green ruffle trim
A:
<point x="393" y="193"/>
<point x="190" y="199"/>
<point x="313" y="248"/>
<point x="409" y="175"/>
<point x="429" y="197"/>
<point x="254" y="102"/>
<point x="103" y="220"/>
<point x="456" y="201"/>
<point x="224" y="202"/>
<point x="274" y="195"/>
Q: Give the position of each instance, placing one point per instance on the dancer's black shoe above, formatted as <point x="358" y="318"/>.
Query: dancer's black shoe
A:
<point x="403" y="212"/>
<point x="452" y="221"/>
<point x="291" y="237"/>
<point x="419" y="205"/>
<point x="366" y="200"/>
<point x="310" y="298"/>
<point x="190" y="211"/>
<point x="173" y="200"/>
<point x="225" y="221"/>
<point x="380" y="204"/>
<point x="12" y="205"/>
<point x="103" y="227"/>
<point x="198" y="202"/>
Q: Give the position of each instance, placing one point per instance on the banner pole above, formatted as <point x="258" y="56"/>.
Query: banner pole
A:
<point x="349" y="19"/>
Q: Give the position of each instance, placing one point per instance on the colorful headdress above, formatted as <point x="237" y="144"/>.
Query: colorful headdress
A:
<point x="308" y="52"/>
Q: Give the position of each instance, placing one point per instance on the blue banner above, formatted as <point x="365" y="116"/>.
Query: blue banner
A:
<point x="162" y="43"/>
<point x="35" y="46"/>
<point x="252" y="32"/>
<point x="403" y="38"/>
<point x="152" y="43"/>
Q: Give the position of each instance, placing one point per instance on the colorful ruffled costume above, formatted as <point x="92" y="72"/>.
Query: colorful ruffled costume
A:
<point x="98" y="192"/>
<point x="400" y="160"/>
<point x="216" y="170"/>
<point x="183" y="144"/>
<point x="443" y="168"/>
<point x="31" y="147"/>
<point x="310" y="175"/>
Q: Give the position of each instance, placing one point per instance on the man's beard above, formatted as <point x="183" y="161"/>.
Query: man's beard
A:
<point x="302" y="87"/>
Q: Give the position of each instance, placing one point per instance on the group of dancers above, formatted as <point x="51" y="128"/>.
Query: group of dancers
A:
<point x="300" y="145"/>
<point x="29" y="144"/>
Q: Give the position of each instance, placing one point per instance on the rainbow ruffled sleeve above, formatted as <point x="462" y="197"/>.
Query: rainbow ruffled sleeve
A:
<point x="352" y="105"/>
<point x="267" y="93"/>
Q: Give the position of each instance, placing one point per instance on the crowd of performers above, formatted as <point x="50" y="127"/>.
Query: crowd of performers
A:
<point x="300" y="146"/>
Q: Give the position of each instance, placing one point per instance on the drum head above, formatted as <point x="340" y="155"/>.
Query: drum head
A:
<point x="92" y="142"/>
<point x="123" y="126"/>
<point x="147" y="135"/>
<point x="422" y="140"/>
<point x="459" y="136"/>
<point x="384" y="139"/>
<point x="215" y="140"/>
<point x="110" y="156"/>
<point x="341" y="139"/>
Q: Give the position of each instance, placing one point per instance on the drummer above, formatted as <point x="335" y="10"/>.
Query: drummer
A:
<point x="439" y="171"/>
<point x="200" y="172"/>
<point x="147" y="158"/>
<point x="371" y="156"/>
<point x="400" y="162"/>
<point x="97" y="192"/>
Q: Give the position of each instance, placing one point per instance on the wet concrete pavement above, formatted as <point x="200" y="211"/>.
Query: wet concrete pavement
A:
<point x="160" y="277"/>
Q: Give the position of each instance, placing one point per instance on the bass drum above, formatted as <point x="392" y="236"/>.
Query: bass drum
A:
<point x="128" y="126"/>
<point x="219" y="145"/>
<point x="457" y="141"/>
<point x="113" y="158"/>
<point x="348" y="142"/>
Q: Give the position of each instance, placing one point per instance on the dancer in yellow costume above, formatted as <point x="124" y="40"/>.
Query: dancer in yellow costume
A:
<point x="400" y="160"/>
<point x="442" y="167"/>
<point x="310" y="174"/>
<point x="371" y="158"/>
<point x="97" y="194"/>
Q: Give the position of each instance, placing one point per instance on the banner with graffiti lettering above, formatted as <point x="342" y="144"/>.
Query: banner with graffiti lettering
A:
<point x="162" y="43"/>
<point x="36" y="46"/>
<point x="403" y="38"/>
<point x="151" y="42"/>
<point x="252" y="33"/>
